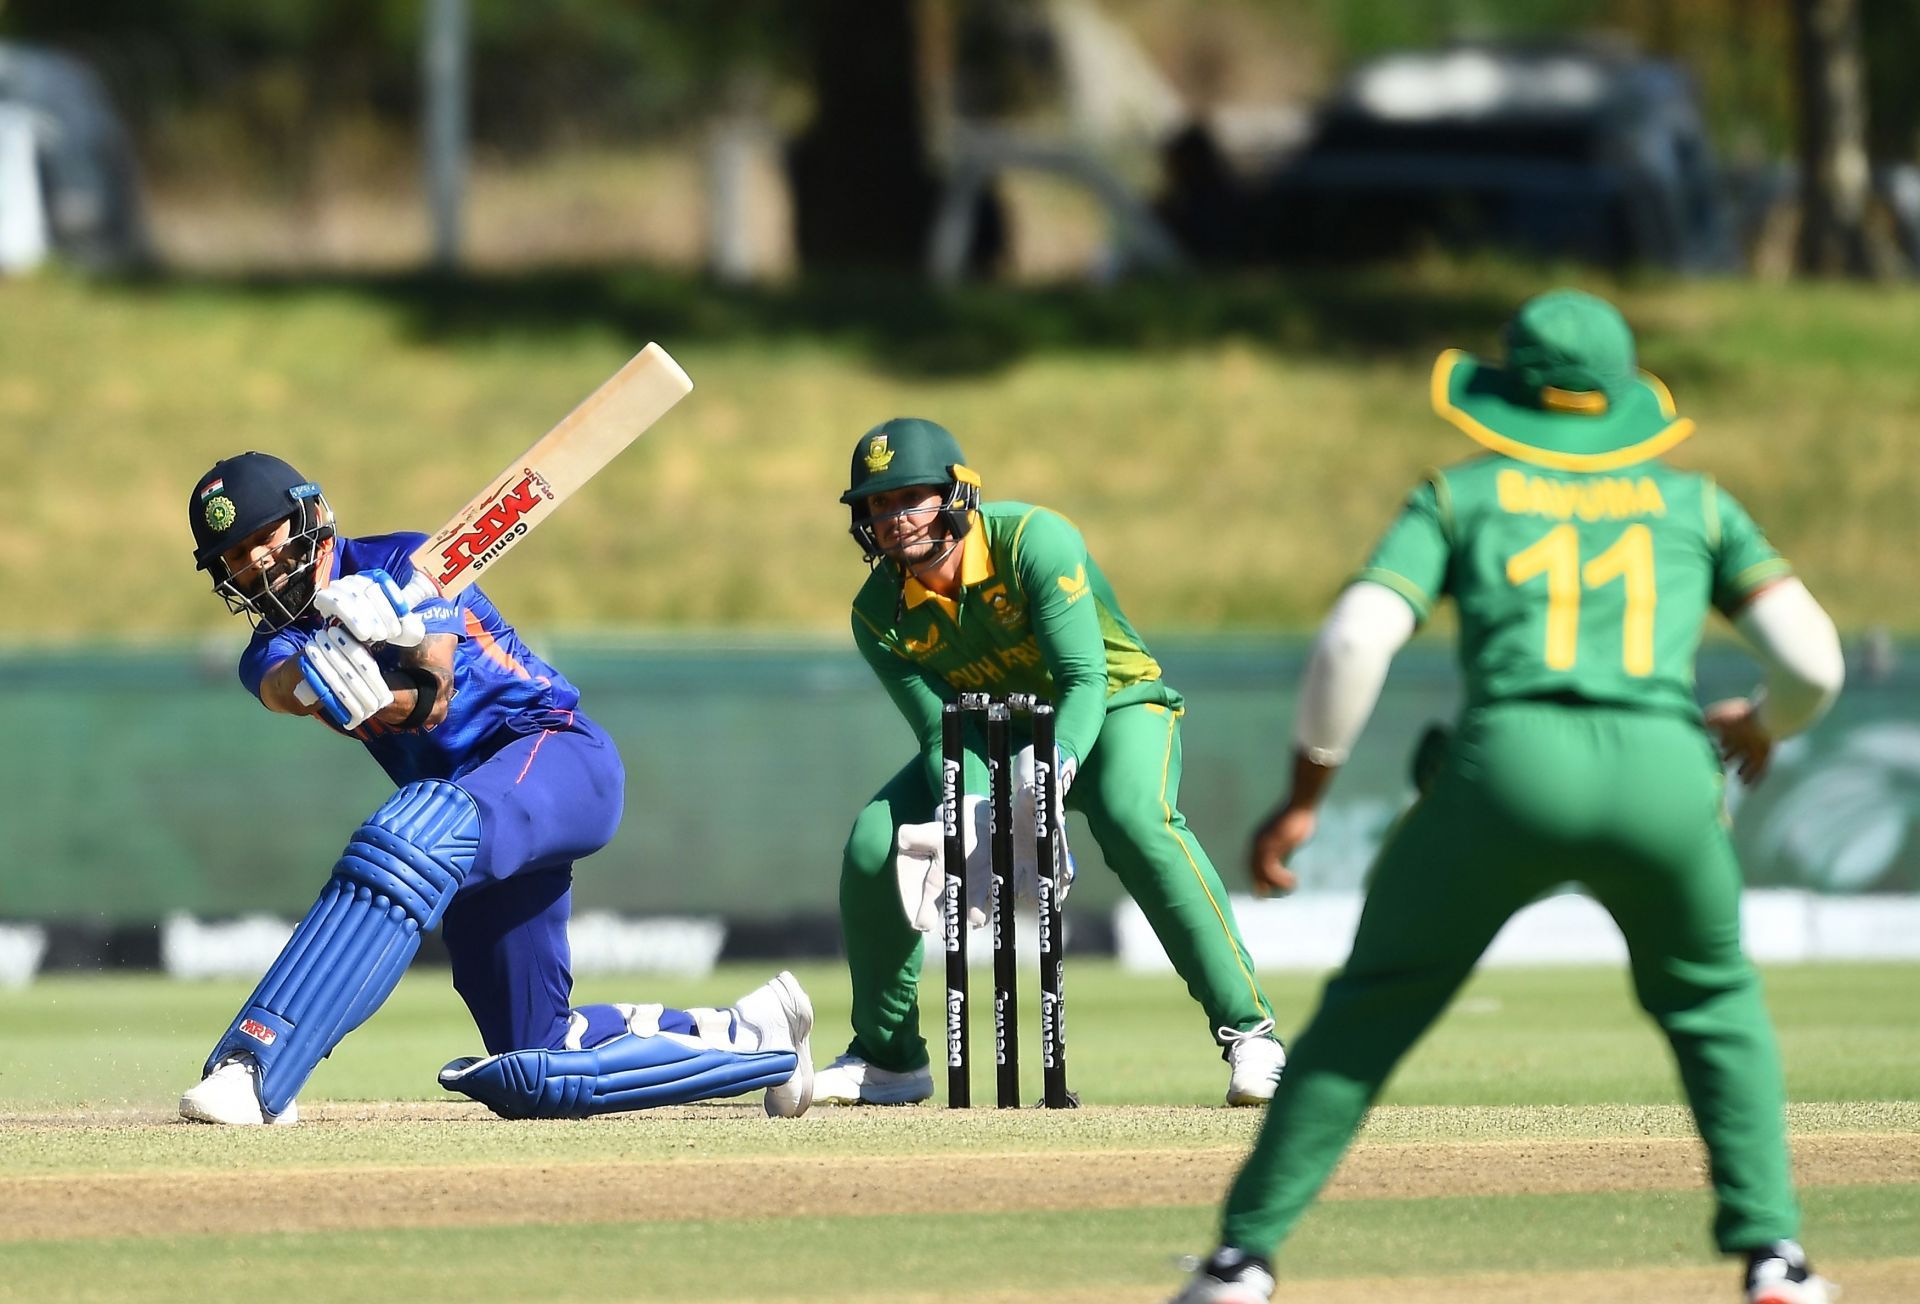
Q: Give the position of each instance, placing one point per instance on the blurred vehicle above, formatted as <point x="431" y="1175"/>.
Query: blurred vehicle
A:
<point x="83" y="172"/>
<point x="1766" y="198"/>
<point x="1557" y="151"/>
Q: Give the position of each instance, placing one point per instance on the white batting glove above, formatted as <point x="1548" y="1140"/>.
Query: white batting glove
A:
<point x="344" y="678"/>
<point x="372" y="608"/>
<point x="920" y="865"/>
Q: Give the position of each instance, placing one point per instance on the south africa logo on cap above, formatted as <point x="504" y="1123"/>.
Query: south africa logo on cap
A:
<point x="220" y="512"/>
<point x="879" y="456"/>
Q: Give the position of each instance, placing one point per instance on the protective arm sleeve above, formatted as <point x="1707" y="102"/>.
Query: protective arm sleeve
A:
<point x="1800" y="648"/>
<point x="1368" y="624"/>
<point x="913" y="692"/>
<point x="1051" y="563"/>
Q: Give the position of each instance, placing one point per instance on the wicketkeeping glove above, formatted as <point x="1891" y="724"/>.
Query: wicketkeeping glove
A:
<point x="1026" y="844"/>
<point x="919" y="861"/>
<point x="920" y="864"/>
<point x="343" y="677"/>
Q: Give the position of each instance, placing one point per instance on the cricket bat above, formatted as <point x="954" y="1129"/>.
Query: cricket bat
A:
<point x="534" y="484"/>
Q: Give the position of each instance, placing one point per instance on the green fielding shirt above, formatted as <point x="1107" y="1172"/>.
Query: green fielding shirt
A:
<point x="1585" y="586"/>
<point x="1035" y="615"/>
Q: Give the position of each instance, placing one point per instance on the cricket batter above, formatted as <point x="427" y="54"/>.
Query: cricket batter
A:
<point x="1004" y="598"/>
<point x="502" y="785"/>
<point x="1582" y="568"/>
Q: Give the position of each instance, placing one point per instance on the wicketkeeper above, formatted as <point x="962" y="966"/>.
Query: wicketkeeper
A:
<point x="502" y="785"/>
<point x="1582" y="568"/>
<point x="1004" y="598"/>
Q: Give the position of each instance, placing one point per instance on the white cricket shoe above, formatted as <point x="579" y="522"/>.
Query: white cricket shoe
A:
<point x="1256" y="1058"/>
<point x="780" y="1013"/>
<point x="231" y="1094"/>
<point x="1227" y="1278"/>
<point x="850" y="1080"/>
<point x="1780" y="1274"/>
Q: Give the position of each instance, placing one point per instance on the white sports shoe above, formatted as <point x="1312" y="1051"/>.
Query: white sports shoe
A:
<point x="231" y="1094"/>
<point x="780" y="1013"/>
<point x="850" y="1080"/>
<point x="1217" y="1281"/>
<point x="1780" y="1274"/>
<point x="1256" y="1058"/>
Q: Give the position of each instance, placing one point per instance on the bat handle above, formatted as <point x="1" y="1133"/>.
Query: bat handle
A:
<point x="420" y="590"/>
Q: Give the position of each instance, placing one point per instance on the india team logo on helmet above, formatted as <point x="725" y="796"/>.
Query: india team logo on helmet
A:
<point x="220" y="513"/>
<point x="879" y="456"/>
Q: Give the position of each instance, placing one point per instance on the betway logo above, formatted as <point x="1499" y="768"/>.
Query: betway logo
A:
<point x="1052" y="1032"/>
<point x="494" y="528"/>
<point x="949" y="797"/>
<point x="956" y="1027"/>
<point x="953" y="910"/>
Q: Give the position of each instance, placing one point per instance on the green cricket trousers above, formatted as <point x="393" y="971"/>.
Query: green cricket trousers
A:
<point x="1128" y="790"/>
<point x="1531" y="796"/>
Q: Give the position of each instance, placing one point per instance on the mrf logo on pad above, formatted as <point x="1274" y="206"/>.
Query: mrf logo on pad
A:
<point x="499" y="521"/>
<point x="259" y="1031"/>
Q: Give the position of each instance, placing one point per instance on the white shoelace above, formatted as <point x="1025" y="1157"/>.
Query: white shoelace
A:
<point x="1228" y="1036"/>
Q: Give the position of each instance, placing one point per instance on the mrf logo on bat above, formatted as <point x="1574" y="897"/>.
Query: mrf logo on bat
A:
<point x="497" y="524"/>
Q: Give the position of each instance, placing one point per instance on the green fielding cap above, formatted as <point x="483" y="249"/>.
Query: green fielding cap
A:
<point x="901" y="452"/>
<point x="1570" y="396"/>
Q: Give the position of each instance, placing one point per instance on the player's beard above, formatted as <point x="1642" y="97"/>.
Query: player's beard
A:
<point x="294" y="594"/>
<point x="275" y="595"/>
<point x="922" y="554"/>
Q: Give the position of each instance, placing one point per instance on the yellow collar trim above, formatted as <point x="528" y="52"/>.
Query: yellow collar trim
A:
<point x="976" y="565"/>
<point x="1613" y="460"/>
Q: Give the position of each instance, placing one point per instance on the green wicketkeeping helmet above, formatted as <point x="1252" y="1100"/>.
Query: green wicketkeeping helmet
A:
<point x="903" y="452"/>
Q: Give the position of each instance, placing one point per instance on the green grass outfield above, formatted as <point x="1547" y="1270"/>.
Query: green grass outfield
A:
<point x="1548" y="1076"/>
<point x="1231" y="449"/>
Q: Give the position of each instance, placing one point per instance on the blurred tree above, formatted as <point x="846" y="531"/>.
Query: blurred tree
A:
<point x="863" y="187"/>
<point x="1835" y="179"/>
<point x="256" y="91"/>
<point x="605" y="68"/>
<point x="1891" y="29"/>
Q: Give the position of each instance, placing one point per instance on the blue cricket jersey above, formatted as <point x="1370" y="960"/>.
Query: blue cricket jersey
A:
<point x="501" y="690"/>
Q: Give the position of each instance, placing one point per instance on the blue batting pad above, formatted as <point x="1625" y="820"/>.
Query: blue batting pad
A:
<point x="628" y="1072"/>
<point x="392" y="883"/>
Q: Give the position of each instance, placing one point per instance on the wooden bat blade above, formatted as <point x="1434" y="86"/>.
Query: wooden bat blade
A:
<point x="547" y="474"/>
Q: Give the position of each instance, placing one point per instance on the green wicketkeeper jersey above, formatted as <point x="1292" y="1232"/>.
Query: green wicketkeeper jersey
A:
<point x="1035" y="615"/>
<point x="1574" y="585"/>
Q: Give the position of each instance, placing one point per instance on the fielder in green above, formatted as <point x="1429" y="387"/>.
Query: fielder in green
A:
<point x="966" y="596"/>
<point x="1582" y="568"/>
